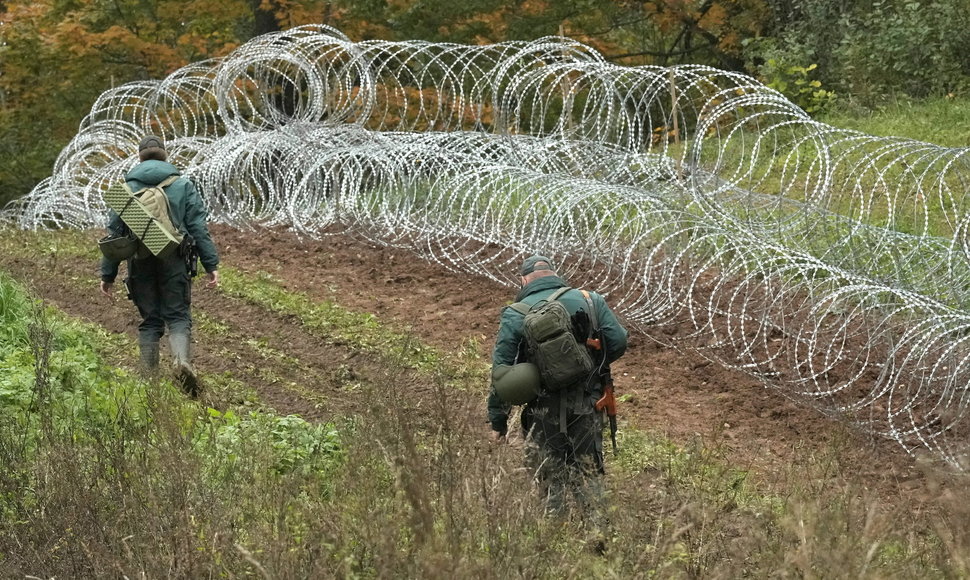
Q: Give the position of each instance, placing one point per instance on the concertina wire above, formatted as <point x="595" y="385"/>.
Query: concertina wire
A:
<point x="714" y="214"/>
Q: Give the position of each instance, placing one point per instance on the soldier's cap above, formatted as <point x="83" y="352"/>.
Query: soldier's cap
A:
<point x="151" y="142"/>
<point x="533" y="263"/>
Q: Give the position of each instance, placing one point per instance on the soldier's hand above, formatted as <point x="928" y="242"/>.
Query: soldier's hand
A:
<point x="213" y="279"/>
<point x="497" y="437"/>
<point x="107" y="288"/>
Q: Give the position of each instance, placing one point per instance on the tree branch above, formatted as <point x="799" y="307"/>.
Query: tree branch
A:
<point x="656" y="53"/>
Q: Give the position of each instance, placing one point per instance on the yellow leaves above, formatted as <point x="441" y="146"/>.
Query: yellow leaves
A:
<point x="535" y="7"/>
<point x="116" y="34"/>
<point x="207" y="12"/>
<point x="715" y="19"/>
<point x="226" y="48"/>
<point x="21" y="12"/>
<point x="663" y="135"/>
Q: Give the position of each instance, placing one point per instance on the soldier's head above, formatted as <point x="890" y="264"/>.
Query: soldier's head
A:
<point x="152" y="147"/>
<point x="535" y="267"/>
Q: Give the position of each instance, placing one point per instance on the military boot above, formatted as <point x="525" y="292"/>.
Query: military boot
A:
<point x="181" y="344"/>
<point x="149" y="358"/>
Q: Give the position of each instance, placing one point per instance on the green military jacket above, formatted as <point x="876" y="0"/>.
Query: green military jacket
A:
<point x="510" y="342"/>
<point x="188" y="212"/>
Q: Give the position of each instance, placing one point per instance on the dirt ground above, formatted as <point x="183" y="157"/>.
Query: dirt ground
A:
<point x="678" y="394"/>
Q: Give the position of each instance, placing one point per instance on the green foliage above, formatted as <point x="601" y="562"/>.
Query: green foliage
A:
<point x="13" y="310"/>
<point x="917" y="48"/>
<point x="795" y="82"/>
<point x="291" y="443"/>
<point x="872" y="52"/>
<point x="46" y="364"/>
<point x="49" y="371"/>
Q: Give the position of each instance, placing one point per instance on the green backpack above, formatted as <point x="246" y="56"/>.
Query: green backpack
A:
<point x="564" y="362"/>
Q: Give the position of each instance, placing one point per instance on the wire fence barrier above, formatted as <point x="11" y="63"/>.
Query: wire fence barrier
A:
<point x="714" y="213"/>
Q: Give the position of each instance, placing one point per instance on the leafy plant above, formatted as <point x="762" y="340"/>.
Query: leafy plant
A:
<point x="917" y="48"/>
<point x="796" y="83"/>
<point x="780" y="69"/>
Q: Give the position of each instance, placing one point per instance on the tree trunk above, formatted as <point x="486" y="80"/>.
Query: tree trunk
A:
<point x="264" y="17"/>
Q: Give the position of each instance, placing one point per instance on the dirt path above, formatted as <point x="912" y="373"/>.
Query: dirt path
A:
<point x="294" y="370"/>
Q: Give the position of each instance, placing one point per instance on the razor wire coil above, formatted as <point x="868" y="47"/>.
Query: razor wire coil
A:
<point x="830" y="264"/>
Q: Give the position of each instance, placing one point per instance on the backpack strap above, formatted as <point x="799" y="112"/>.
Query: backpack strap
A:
<point x="595" y="326"/>
<point x="523" y="308"/>
<point x="168" y="206"/>
<point x="558" y="293"/>
<point x="169" y="181"/>
<point x="163" y="184"/>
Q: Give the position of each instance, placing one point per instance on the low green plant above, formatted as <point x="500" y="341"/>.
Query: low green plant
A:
<point x="796" y="83"/>
<point x="782" y="67"/>
<point x="131" y="468"/>
<point x="337" y="324"/>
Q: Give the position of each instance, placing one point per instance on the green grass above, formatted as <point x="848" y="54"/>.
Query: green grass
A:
<point x="942" y="120"/>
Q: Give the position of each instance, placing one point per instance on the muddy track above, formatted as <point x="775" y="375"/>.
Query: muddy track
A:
<point x="298" y="370"/>
<point x="290" y="368"/>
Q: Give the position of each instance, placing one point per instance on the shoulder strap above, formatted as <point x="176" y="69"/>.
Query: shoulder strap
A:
<point x="558" y="293"/>
<point x="165" y="183"/>
<point x="523" y="308"/>
<point x="595" y="325"/>
<point x="169" y="181"/>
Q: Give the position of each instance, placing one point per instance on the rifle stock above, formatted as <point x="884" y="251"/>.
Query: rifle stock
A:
<point x="607" y="404"/>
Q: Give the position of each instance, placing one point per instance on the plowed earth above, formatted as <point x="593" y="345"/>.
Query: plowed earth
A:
<point x="680" y="395"/>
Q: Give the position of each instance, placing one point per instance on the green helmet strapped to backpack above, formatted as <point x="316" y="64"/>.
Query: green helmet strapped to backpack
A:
<point x="516" y="384"/>
<point x="118" y="248"/>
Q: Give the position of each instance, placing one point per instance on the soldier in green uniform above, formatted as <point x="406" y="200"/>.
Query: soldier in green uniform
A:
<point x="564" y="433"/>
<point x="161" y="288"/>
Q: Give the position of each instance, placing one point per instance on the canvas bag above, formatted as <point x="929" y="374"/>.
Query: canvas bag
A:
<point x="156" y="203"/>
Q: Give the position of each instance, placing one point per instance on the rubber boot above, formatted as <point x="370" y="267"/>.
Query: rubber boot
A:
<point x="181" y="344"/>
<point x="148" y="358"/>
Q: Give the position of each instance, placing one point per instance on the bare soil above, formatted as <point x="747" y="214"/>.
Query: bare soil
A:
<point x="678" y="394"/>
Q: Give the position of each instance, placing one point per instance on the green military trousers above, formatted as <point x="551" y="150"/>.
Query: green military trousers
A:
<point x="566" y="452"/>
<point x="161" y="288"/>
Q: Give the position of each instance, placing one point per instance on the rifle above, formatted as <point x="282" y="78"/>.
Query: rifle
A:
<point x="190" y="253"/>
<point x="595" y="342"/>
<point x="607" y="403"/>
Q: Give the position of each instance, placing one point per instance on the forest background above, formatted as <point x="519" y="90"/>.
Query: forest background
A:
<point x="840" y="60"/>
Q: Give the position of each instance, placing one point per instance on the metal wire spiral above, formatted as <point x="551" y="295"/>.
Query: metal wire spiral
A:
<point x="830" y="264"/>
